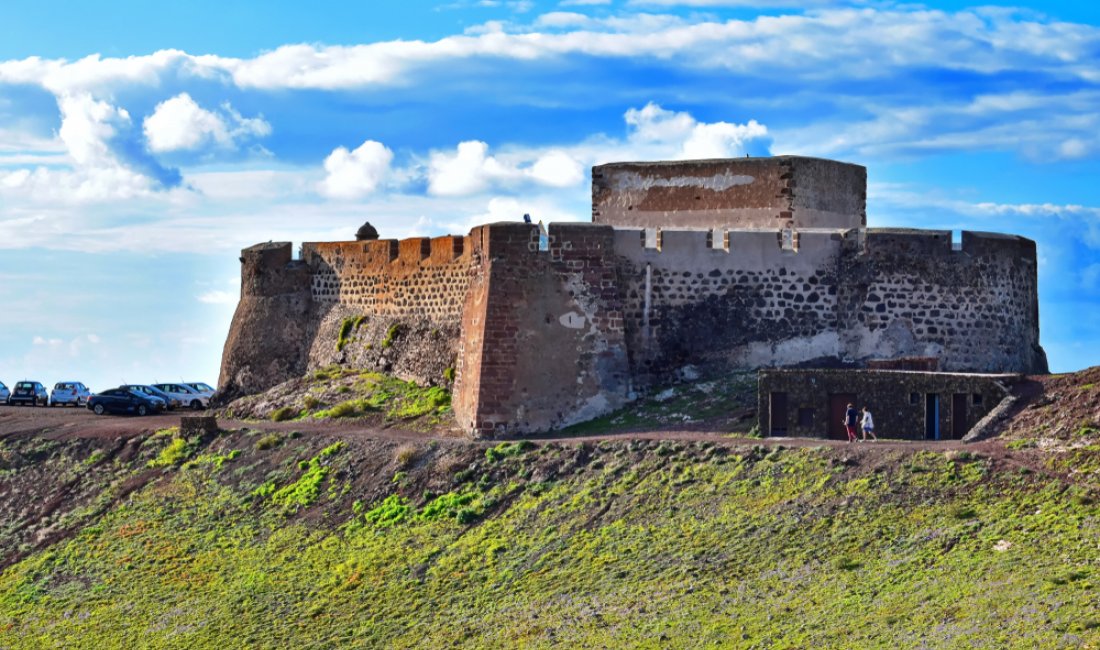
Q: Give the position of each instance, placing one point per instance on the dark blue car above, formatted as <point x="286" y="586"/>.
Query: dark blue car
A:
<point x="120" y="400"/>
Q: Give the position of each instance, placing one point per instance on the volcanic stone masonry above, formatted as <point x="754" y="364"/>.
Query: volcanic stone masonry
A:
<point x="722" y="265"/>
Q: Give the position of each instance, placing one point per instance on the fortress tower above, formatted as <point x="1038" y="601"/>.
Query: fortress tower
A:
<point x="735" y="193"/>
<point x="719" y="264"/>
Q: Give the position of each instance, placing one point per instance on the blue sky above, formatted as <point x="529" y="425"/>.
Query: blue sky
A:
<point x="142" y="145"/>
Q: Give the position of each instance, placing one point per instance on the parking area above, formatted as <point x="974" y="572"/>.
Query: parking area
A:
<point x="62" y="420"/>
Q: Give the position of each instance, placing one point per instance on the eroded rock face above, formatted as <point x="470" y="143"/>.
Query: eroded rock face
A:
<point x="413" y="349"/>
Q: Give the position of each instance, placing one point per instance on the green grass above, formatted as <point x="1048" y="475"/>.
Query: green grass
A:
<point x="506" y="449"/>
<point x="601" y="546"/>
<point x="173" y="454"/>
<point x="347" y="331"/>
<point x="392" y="333"/>
<point x="394" y="398"/>
<point x="283" y="414"/>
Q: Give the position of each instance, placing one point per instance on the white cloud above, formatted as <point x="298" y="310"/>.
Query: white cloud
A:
<point x="355" y="174"/>
<point x="556" y="168"/>
<point x="654" y="125"/>
<point x="470" y="170"/>
<point x="218" y="297"/>
<point x="653" y="134"/>
<point x="1042" y="127"/>
<point x="99" y="168"/>
<point x="1073" y="148"/>
<point x="830" y="42"/>
<point x="756" y="4"/>
<point x="180" y="123"/>
<point x="87" y="126"/>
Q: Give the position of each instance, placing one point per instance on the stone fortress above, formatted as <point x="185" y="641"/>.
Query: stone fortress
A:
<point x="712" y="265"/>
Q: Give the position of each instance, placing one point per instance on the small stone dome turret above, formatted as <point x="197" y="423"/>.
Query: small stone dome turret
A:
<point x="366" y="232"/>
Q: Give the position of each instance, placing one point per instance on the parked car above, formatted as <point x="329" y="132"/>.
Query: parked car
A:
<point x="29" y="392"/>
<point x="185" y="394"/>
<point x="4" y="393"/>
<point x="201" y="388"/>
<point x="169" y="402"/>
<point x="120" y="400"/>
<point x="69" y="392"/>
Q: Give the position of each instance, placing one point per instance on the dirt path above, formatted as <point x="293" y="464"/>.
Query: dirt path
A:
<point x="64" y="423"/>
<point x="71" y="423"/>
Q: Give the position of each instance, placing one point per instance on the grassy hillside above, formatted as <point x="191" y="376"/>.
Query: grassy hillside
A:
<point x="254" y="540"/>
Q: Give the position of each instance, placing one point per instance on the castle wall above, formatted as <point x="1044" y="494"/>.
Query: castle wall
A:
<point x="753" y="304"/>
<point x="770" y="193"/>
<point x="411" y="278"/>
<point x="910" y="293"/>
<point x="741" y="300"/>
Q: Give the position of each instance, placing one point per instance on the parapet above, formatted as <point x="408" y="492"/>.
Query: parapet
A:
<point x="914" y="243"/>
<point x="414" y="252"/>
<point x="268" y="255"/>
<point x="771" y="193"/>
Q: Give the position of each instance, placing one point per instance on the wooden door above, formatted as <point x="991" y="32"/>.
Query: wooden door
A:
<point x="838" y="406"/>
<point x="779" y="414"/>
<point x="958" y="416"/>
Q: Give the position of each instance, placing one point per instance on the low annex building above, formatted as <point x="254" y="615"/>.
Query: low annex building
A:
<point x="721" y="264"/>
<point x="811" y="403"/>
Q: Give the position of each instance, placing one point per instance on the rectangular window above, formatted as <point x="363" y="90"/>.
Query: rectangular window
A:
<point x="652" y="238"/>
<point x="788" y="240"/>
<point x="718" y="240"/>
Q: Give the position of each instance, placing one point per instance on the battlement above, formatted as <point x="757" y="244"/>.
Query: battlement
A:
<point x="409" y="253"/>
<point x="911" y="242"/>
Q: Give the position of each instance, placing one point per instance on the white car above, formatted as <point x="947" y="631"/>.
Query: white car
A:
<point x="69" y="392"/>
<point x="201" y="388"/>
<point x="186" y="395"/>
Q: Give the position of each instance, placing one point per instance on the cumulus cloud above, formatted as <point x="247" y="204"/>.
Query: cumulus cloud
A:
<point x="655" y="125"/>
<point x="653" y="133"/>
<point x="861" y="42"/>
<point x="107" y="159"/>
<point x="469" y="169"/>
<point x="180" y="124"/>
<point x="815" y="48"/>
<point x="355" y="174"/>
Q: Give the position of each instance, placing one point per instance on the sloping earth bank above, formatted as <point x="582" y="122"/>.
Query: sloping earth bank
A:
<point x="260" y="539"/>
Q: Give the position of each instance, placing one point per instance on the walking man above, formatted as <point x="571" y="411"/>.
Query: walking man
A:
<point x="851" y="417"/>
<point x="868" y="426"/>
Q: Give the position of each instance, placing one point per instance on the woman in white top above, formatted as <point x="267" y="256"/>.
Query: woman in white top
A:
<point x="868" y="425"/>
